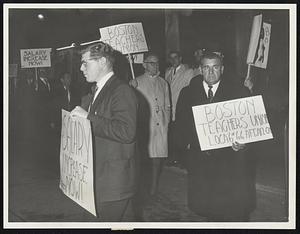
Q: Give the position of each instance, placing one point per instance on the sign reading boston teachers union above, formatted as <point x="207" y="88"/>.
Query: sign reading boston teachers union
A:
<point x="76" y="161"/>
<point x="126" y="38"/>
<point x="35" y="58"/>
<point x="220" y="124"/>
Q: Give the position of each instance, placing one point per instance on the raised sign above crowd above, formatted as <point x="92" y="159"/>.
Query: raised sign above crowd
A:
<point x="35" y="58"/>
<point x="127" y="38"/>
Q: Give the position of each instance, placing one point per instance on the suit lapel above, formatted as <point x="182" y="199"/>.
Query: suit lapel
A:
<point x="102" y="93"/>
<point x="199" y="97"/>
<point x="221" y="93"/>
<point x="179" y="72"/>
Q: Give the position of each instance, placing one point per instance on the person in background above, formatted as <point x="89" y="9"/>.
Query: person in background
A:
<point x="27" y="107"/>
<point x="65" y="97"/>
<point x="44" y="95"/>
<point x="197" y="55"/>
<point x="177" y="76"/>
<point x="156" y="92"/>
<point x="221" y="182"/>
<point x="112" y="111"/>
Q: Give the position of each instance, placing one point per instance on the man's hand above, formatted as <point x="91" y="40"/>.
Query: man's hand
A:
<point x="133" y="83"/>
<point x="249" y="83"/>
<point x="237" y="146"/>
<point x="79" y="112"/>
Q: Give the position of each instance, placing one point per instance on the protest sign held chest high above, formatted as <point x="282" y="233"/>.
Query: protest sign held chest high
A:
<point x="126" y="38"/>
<point x="35" y="58"/>
<point x="220" y="124"/>
<point x="76" y="161"/>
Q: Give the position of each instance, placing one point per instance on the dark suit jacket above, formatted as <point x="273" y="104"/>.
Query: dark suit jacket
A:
<point x="220" y="182"/>
<point x="113" y="121"/>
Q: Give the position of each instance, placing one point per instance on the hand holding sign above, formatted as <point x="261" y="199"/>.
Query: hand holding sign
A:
<point x="237" y="146"/>
<point x="79" y="112"/>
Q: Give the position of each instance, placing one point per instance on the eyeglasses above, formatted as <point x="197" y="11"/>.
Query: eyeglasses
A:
<point x="85" y="62"/>
<point x="214" y="68"/>
<point x="173" y="57"/>
<point x="152" y="63"/>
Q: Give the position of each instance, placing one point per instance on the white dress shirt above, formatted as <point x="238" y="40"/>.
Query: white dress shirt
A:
<point x="68" y="90"/>
<point x="213" y="89"/>
<point x="46" y="82"/>
<point x="175" y="69"/>
<point x="102" y="82"/>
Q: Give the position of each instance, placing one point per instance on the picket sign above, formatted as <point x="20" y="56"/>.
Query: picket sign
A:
<point x="127" y="38"/>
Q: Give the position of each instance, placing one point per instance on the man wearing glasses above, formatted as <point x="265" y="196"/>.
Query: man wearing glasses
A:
<point x="221" y="182"/>
<point x="155" y="91"/>
<point x="112" y="110"/>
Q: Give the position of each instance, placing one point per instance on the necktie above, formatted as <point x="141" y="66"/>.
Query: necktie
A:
<point x="210" y="93"/>
<point x="68" y="94"/>
<point x="47" y="84"/>
<point x="94" y="90"/>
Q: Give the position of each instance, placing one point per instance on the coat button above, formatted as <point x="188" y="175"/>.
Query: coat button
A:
<point x="157" y="124"/>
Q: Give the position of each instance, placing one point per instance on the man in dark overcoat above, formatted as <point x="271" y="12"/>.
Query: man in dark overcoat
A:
<point x="112" y="111"/>
<point x="221" y="182"/>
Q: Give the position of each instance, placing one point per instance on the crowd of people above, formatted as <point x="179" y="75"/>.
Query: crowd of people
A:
<point x="147" y="119"/>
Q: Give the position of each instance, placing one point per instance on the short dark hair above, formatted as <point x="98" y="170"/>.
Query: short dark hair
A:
<point x="175" y="52"/>
<point x="98" y="50"/>
<point x="212" y="55"/>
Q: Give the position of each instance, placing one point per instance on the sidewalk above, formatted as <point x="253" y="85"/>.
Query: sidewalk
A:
<point x="34" y="195"/>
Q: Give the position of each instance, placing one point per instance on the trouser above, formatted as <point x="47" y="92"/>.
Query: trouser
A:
<point x="116" y="211"/>
<point x="175" y="153"/>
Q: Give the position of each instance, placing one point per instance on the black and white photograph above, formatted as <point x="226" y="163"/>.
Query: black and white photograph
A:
<point x="149" y="116"/>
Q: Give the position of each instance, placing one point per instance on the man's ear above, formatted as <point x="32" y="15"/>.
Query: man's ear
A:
<point x="144" y="65"/>
<point x="102" y="61"/>
<point x="222" y="69"/>
<point x="201" y="72"/>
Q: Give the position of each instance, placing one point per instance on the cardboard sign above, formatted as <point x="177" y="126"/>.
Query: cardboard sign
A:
<point x="258" y="50"/>
<point x="76" y="161"/>
<point x="35" y="58"/>
<point x="261" y="57"/>
<point x="254" y="38"/>
<point x="13" y="70"/>
<point x="137" y="58"/>
<point x="126" y="38"/>
<point x="220" y="124"/>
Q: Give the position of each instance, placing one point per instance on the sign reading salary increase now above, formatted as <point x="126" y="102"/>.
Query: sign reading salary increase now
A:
<point x="126" y="38"/>
<point x="35" y="58"/>
<point x="220" y="124"/>
<point x="76" y="161"/>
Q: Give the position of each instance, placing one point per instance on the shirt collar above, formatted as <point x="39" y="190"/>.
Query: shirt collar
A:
<point x="214" y="87"/>
<point x="156" y="75"/>
<point x="104" y="79"/>
<point x="177" y="68"/>
<point x="100" y="84"/>
<point x="43" y="79"/>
